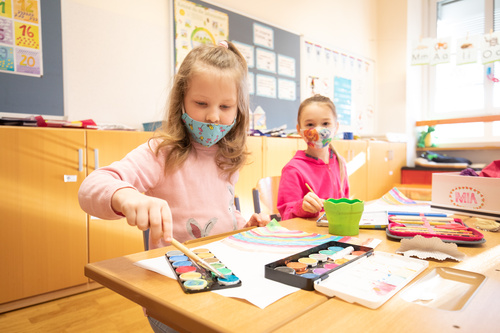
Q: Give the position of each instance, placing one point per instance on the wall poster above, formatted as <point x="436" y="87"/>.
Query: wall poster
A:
<point x="21" y="37"/>
<point x="195" y="25"/>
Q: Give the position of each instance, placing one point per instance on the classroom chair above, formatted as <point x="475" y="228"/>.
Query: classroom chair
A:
<point x="265" y="196"/>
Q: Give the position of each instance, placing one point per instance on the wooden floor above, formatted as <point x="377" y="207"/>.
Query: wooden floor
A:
<point x="100" y="310"/>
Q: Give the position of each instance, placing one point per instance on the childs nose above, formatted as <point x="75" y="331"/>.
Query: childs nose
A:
<point x="213" y="116"/>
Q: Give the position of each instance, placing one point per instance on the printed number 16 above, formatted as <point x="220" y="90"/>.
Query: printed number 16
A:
<point x="27" y="31"/>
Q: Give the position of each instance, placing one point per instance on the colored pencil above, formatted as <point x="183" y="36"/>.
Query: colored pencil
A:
<point x="420" y="222"/>
<point x="420" y="218"/>
<point x="193" y="256"/>
<point x="418" y="214"/>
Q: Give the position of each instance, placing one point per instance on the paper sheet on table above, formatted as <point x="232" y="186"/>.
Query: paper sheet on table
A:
<point x="248" y="266"/>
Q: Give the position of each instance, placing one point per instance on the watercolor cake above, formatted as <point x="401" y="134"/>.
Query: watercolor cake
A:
<point x="304" y="268"/>
<point x="194" y="278"/>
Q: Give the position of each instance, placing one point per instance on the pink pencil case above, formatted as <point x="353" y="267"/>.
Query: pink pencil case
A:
<point x="453" y="231"/>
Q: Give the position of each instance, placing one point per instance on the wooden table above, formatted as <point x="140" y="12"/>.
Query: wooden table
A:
<point x="305" y="311"/>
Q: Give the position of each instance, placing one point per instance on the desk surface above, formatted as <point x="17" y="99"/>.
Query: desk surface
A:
<point x="304" y="310"/>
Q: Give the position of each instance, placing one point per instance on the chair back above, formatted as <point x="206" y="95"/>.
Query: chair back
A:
<point x="265" y="195"/>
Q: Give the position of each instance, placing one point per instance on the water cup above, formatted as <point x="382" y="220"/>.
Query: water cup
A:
<point x="343" y="216"/>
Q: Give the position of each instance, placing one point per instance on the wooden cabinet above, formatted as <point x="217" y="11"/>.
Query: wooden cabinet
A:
<point x="249" y="175"/>
<point x="43" y="238"/>
<point x="385" y="160"/>
<point x="46" y="238"/>
<point x="112" y="238"/>
<point x="354" y="153"/>
<point x="277" y="152"/>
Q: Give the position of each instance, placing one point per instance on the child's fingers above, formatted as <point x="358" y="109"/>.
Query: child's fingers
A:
<point x="313" y="202"/>
<point x="166" y="220"/>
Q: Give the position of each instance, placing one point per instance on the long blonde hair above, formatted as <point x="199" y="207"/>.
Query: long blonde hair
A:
<point x="319" y="99"/>
<point x="232" y="152"/>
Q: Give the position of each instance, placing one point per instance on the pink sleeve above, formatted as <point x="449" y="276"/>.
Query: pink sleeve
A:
<point x="291" y="194"/>
<point x="140" y="169"/>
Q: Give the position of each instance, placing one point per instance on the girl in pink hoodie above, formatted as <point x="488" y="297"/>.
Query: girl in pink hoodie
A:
<point x="319" y="166"/>
<point x="181" y="183"/>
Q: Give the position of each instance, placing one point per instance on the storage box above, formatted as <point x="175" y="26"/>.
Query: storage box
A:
<point x="467" y="194"/>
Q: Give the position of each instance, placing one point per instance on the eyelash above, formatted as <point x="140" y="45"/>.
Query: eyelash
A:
<point x="221" y="106"/>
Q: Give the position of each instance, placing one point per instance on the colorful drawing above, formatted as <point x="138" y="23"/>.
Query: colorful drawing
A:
<point x="277" y="239"/>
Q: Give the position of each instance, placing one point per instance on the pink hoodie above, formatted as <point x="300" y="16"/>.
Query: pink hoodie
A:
<point x="323" y="178"/>
<point x="201" y="200"/>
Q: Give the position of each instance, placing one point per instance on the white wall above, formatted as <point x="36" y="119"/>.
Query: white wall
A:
<point x="117" y="53"/>
<point x="116" y="60"/>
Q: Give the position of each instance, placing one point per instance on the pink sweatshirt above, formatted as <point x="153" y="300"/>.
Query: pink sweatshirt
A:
<point x="323" y="178"/>
<point x="201" y="200"/>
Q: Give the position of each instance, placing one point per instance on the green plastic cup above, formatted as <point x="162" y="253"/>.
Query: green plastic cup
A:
<point x="343" y="216"/>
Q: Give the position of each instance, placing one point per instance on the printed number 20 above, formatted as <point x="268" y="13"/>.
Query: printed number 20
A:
<point x="27" y="61"/>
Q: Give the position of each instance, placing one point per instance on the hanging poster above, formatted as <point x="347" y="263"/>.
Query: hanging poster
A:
<point x="21" y="37"/>
<point x="195" y="25"/>
<point x="347" y="79"/>
<point x="342" y="93"/>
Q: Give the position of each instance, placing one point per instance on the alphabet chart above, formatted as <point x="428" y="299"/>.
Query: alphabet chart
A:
<point x="21" y="37"/>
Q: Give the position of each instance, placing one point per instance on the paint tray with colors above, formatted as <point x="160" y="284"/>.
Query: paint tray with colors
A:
<point x="303" y="268"/>
<point x="371" y="281"/>
<point x="194" y="278"/>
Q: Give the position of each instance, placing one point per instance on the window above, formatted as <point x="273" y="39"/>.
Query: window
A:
<point x="457" y="91"/>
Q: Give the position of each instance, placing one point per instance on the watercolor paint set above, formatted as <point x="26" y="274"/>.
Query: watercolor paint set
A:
<point x="371" y="281"/>
<point x="304" y="268"/>
<point x="351" y="272"/>
<point x="194" y="278"/>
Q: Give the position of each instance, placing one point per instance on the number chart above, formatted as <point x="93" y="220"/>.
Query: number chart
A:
<point x="20" y="37"/>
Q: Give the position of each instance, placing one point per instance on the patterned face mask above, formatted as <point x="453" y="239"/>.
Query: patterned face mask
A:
<point x="206" y="134"/>
<point x="317" y="137"/>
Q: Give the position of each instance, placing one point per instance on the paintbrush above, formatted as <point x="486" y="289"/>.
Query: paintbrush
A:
<point x="311" y="190"/>
<point x="197" y="259"/>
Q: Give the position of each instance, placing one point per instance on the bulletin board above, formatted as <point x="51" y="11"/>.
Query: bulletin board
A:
<point x="41" y="94"/>
<point x="347" y="79"/>
<point x="272" y="54"/>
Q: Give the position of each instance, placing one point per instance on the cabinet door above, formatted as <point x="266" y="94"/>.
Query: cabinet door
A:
<point x="397" y="160"/>
<point x="385" y="162"/>
<point x="43" y="238"/>
<point x="249" y="175"/>
<point x="354" y="153"/>
<point x="115" y="238"/>
<point x="277" y="153"/>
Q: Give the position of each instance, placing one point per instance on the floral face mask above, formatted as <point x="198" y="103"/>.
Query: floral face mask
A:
<point x="317" y="137"/>
<point x="206" y="134"/>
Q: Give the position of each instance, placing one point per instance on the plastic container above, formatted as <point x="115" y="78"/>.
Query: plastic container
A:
<point x="343" y="216"/>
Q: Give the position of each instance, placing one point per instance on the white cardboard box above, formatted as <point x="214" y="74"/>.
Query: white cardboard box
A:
<point x="477" y="195"/>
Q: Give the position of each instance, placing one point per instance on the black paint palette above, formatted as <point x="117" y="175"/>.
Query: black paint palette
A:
<point x="303" y="268"/>
<point x="194" y="278"/>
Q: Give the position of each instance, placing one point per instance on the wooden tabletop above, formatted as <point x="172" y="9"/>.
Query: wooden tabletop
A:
<point x="305" y="311"/>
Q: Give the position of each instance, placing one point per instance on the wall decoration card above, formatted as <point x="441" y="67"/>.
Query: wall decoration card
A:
<point x="37" y="84"/>
<point x="347" y="79"/>
<point x="20" y="37"/>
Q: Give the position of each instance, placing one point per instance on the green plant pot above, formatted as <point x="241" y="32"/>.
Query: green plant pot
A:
<point x="343" y="216"/>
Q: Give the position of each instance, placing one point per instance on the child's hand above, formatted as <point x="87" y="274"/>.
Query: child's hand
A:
<point x="312" y="203"/>
<point x="258" y="220"/>
<point x="144" y="212"/>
